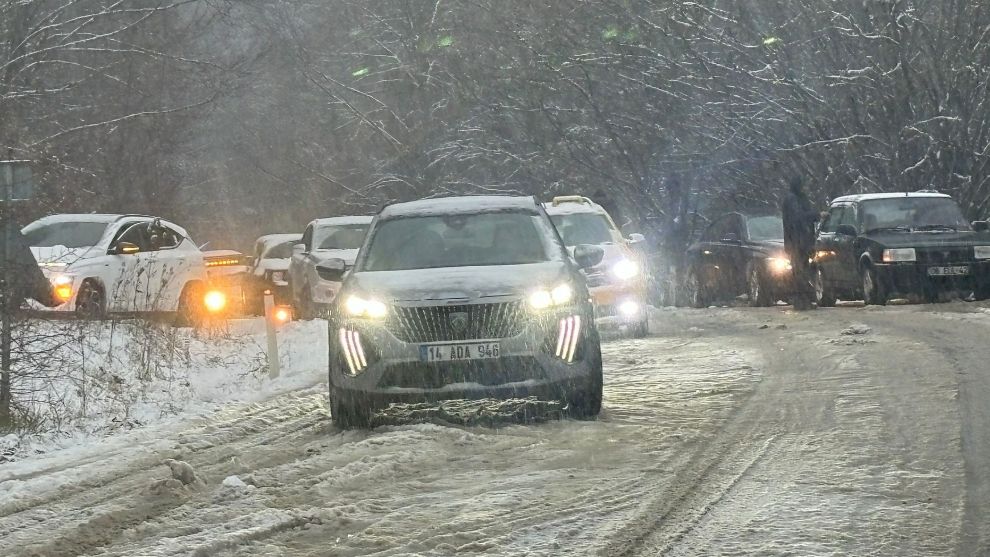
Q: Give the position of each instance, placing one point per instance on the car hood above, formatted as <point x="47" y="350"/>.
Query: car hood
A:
<point x="348" y="255"/>
<point x="266" y="265"/>
<point x="929" y="239"/>
<point x="51" y="256"/>
<point x="457" y="283"/>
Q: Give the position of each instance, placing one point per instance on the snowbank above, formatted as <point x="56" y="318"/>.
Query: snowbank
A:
<point x="97" y="378"/>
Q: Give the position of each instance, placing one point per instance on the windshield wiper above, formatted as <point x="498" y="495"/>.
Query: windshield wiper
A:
<point x="898" y="228"/>
<point x="937" y="227"/>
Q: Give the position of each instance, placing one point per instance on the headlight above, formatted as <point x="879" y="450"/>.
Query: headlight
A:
<point x="779" y="265"/>
<point x="899" y="255"/>
<point x="625" y="269"/>
<point x="982" y="252"/>
<point x="559" y="296"/>
<point x="62" y="286"/>
<point x="356" y="306"/>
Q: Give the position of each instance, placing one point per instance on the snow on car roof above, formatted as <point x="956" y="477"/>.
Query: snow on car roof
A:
<point x="459" y="205"/>
<point x="574" y="208"/>
<point x="82" y="217"/>
<point x="342" y="221"/>
<point x="269" y="239"/>
<point x="869" y="196"/>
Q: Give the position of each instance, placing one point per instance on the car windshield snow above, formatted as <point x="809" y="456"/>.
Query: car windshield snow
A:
<point x="281" y="250"/>
<point x="912" y="213"/>
<point x="583" y="228"/>
<point x="349" y="236"/>
<point x="68" y="234"/>
<point x="424" y="242"/>
<point x="766" y="228"/>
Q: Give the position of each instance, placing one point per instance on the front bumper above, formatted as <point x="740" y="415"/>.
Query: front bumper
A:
<point x="526" y="367"/>
<point x="914" y="278"/>
<point x="619" y="304"/>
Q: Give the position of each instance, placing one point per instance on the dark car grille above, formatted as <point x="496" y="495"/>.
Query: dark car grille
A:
<point x="459" y="322"/>
<point x="938" y="256"/>
<point x="488" y="373"/>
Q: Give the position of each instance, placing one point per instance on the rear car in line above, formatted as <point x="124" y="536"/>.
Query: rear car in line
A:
<point x="464" y="298"/>
<point x="270" y="271"/>
<point x="619" y="284"/>
<point x="739" y="254"/>
<point x="876" y="246"/>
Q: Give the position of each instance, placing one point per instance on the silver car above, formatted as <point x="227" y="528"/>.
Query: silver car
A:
<point x="463" y="298"/>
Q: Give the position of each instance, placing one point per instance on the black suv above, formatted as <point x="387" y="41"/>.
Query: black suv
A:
<point x="874" y="246"/>
<point x="739" y="254"/>
<point x="463" y="298"/>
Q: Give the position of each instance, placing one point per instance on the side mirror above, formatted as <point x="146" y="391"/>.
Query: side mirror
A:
<point x="298" y="248"/>
<point x="124" y="248"/>
<point x="332" y="269"/>
<point x="588" y="256"/>
<point x="981" y="225"/>
<point x="636" y="238"/>
<point x="846" y="230"/>
<point x="731" y="238"/>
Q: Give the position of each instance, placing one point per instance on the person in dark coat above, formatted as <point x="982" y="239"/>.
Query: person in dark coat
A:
<point x="25" y="278"/>
<point x="799" y="241"/>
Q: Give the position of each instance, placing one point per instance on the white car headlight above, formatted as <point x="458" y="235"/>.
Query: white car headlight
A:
<point x="779" y="265"/>
<point x="982" y="252"/>
<point x="899" y="255"/>
<point x="356" y="306"/>
<point x="559" y="296"/>
<point x="625" y="269"/>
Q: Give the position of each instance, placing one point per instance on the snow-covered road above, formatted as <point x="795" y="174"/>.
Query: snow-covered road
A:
<point x="850" y="431"/>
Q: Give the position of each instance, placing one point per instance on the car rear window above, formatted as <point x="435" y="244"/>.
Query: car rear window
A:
<point x="482" y="239"/>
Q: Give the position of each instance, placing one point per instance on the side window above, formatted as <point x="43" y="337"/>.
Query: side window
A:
<point x="136" y="234"/>
<point x="164" y="238"/>
<point x="716" y="231"/>
<point x="308" y="238"/>
<point x="848" y="216"/>
<point x="835" y="216"/>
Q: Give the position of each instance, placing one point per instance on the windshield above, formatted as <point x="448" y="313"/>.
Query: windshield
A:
<point x="584" y="228"/>
<point x="281" y="250"/>
<point x="765" y="228"/>
<point x="349" y="236"/>
<point x="912" y="213"/>
<point x="68" y="234"/>
<point x="456" y="241"/>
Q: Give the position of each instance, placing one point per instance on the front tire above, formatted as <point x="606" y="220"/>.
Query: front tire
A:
<point x="824" y="296"/>
<point x="873" y="291"/>
<point x="585" y="402"/>
<point x="91" y="302"/>
<point x="345" y="413"/>
<point x="190" y="310"/>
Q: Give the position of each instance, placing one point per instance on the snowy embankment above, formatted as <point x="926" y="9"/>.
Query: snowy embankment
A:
<point x="87" y="380"/>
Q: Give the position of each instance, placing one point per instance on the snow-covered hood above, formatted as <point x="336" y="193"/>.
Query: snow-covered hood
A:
<point x="266" y="265"/>
<point x="457" y="283"/>
<point x="61" y="255"/>
<point x="348" y="255"/>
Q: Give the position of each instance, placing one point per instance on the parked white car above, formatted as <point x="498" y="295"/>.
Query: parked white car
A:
<point x="101" y="264"/>
<point x="330" y="238"/>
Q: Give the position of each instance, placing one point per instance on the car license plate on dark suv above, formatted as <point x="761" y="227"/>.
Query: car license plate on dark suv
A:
<point x="952" y="270"/>
<point x="483" y="350"/>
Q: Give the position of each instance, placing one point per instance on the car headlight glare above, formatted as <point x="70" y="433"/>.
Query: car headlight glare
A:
<point x="558" y="296"/>
<point x="982" y="252"/>
<point x="779" y="265"/>
<point x="356" y="306"/>
<point x="62" y="286"/>
<point x="625" y="269"/>
<point x="899" y="255"/>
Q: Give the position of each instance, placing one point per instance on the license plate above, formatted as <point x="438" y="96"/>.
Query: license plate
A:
<point x="459" y="352"/>
<point x="952" y="270"/>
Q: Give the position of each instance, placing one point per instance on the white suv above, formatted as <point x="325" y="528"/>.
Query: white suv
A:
<point x="330" y="238"/>
<point x="100" y="264"/>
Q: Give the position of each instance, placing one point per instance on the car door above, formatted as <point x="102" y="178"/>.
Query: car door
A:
<point x="846" y="248"/>
<point x="732" y="254"/>
<point x="168" y="267"/>
<point x="127" y="281"/>
<point x="297" y="265"/>
<point x="712" y="270"/>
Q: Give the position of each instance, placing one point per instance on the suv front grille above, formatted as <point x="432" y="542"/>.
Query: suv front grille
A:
<point x="458" y="322"/>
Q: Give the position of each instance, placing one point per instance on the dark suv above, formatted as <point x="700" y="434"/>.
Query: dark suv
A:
<point x="874" y="246"/>
<point x="463" y="298"/>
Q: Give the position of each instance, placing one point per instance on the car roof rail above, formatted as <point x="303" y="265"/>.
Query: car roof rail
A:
<point x="558" y="200"/>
